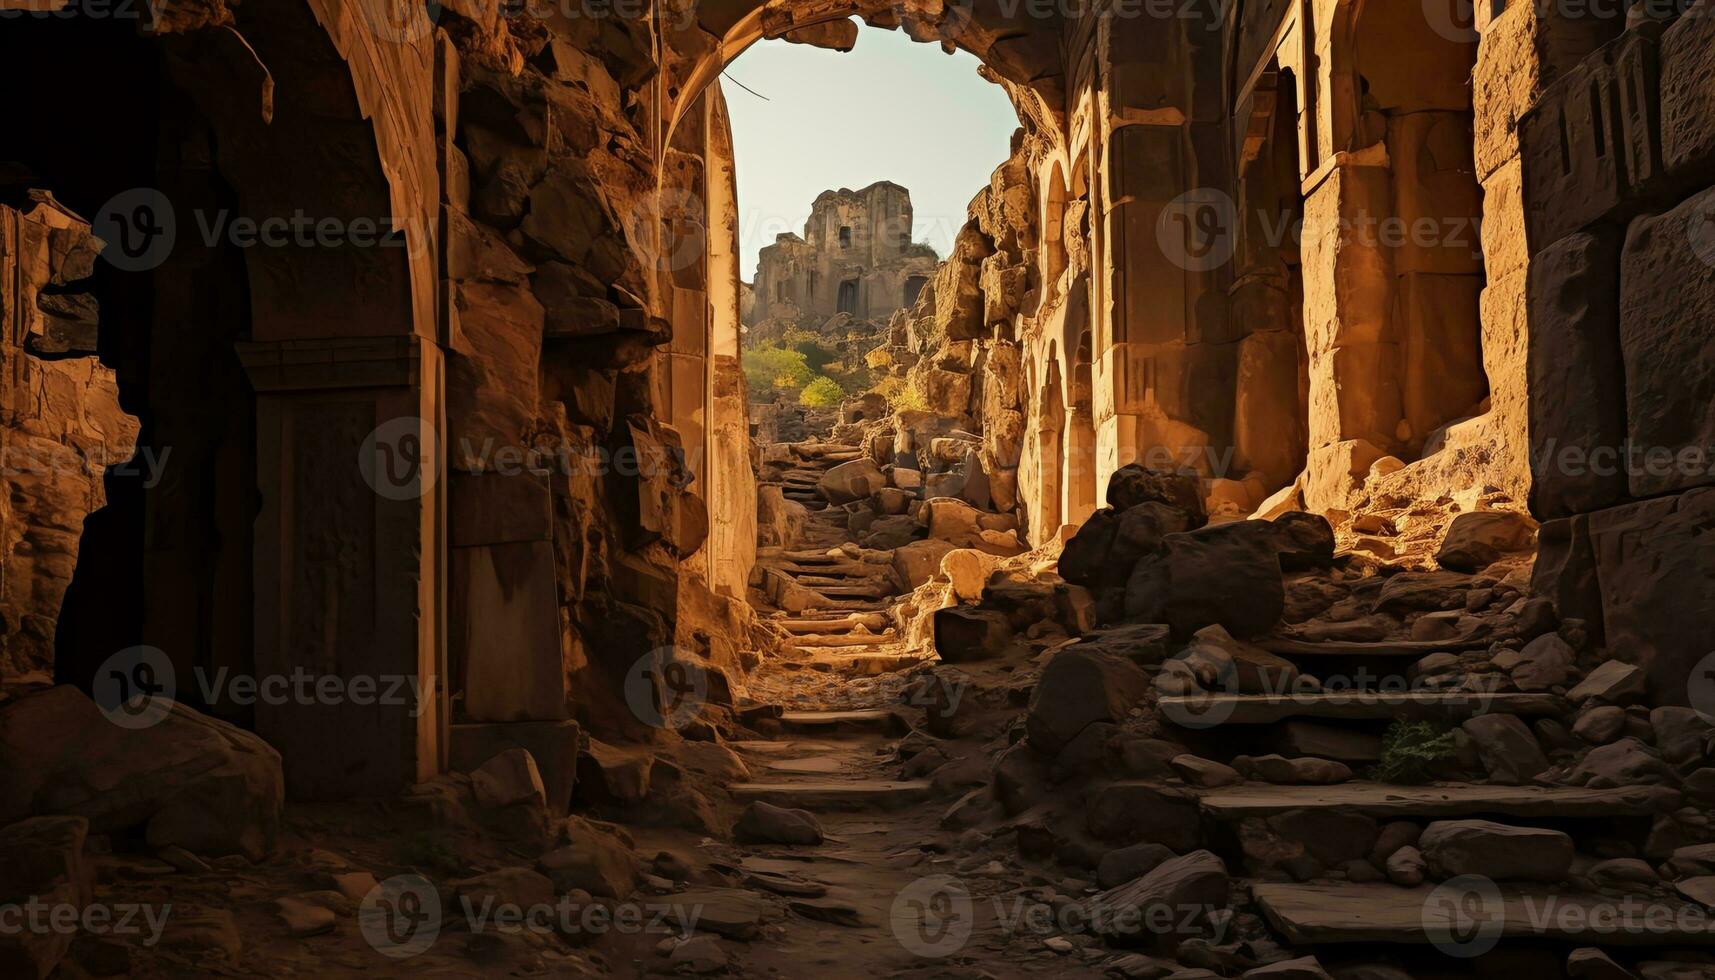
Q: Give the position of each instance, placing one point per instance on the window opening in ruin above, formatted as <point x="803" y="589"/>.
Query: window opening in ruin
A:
<point x="845" y="236"/>
<point x="848" y="299"/>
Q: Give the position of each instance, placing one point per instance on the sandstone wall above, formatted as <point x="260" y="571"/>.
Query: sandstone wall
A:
<point x="62" y="423"/>
<point x="1619" y="219"/>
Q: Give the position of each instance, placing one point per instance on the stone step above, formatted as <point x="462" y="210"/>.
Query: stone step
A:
<point x="822" y="796"/>
<point x="1414" y="649"/>
<point x="1209" y="710"/>
<point x="879" y="720"/>
<point x="1343" y="912"/>
<point x="814" y="641"/>
<point x="877" y="591"/>
<point x="875" y="623"/>
<point x="875" y="664"/>
<point x="1385" y="800"/>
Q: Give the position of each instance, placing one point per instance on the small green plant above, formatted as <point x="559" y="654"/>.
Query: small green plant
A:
<point x="1410" y="749"/>
<point x="824" y="392"/>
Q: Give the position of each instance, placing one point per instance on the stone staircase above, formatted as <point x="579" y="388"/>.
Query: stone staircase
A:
<point x="831" y="597"/>
<point x="1334" y="906"/>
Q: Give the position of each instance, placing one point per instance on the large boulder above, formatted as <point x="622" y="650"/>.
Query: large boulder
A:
<point x="1110" y="542"/>
<point x="1305" y="541"/>
<point x="1227" y="574"/>
<point x="1509" y="751"/>
<point x="852" y="480"/>
<point x="592" y="860"/>
<point x="764" y="823"/>
<point x="1135" y="484"/>
<point x="1495" y="850"/>
<point x="1236" y="667"/>
<point x="917" y="562"/>
<point x="186" y="779"/>
<point x="965" y="633"/>
<point x="1128" y="812"/>
<point x="1476" y="540"/>
<point x="1189" y="888"/>
<point x="1080" y="686"/>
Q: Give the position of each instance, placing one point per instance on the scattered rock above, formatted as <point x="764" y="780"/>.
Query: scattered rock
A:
<point x="41" y="858"/>
<point x="1406" y="867"/>
<point x="1129" y="863"/>
<point x="1613" y="682"/>
<point x="1498" y="851"/>
<point x="1193" y="885"/>
<point x="1627" y="762"/>
<point x="850" y="481"/>
<point x="1204" y="773"/>
<point x="508" y="778"/>
<point x="1509" y="751"/>
<point x="1304" y="771"/>
<point x="1080" y="686"/>
<point x="1226" y="574"/>
<point x="1477" y="540"/>
<point x="764" y="823"/>
<point x="594" y="861"/>
<point x="303" y="918"/>
<point x="1545" y="662"/>
<point x="699" y="954"/>
<point x="1599" y="726"/>
<point x="966" y="634"/>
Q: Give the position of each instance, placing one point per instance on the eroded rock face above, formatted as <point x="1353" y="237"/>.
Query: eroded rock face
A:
<point x="63" y="419"/>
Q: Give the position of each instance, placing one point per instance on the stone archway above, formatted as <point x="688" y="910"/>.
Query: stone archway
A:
<point x="288" y="325"/>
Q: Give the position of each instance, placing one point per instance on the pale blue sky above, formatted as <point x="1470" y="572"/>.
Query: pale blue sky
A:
<point x="889" y="109"/>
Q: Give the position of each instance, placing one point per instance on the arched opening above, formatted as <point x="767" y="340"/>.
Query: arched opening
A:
<point x="1415" y="99"/>
<point x="263" y="299"/>
<point x="913" y="289"/>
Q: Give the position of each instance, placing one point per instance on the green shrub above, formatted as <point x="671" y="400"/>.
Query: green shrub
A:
<point x="824" y="392"/>
<point x="768" y="367"/>
<point x="1410" y="749"/>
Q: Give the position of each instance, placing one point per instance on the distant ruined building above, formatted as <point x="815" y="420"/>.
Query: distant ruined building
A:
<point x="856" y="257"/>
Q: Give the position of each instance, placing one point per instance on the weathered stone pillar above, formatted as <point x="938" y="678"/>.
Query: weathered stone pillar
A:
<point x="348" y="561"/>
<point x="1355" y="404"/>
<point x="1078" y="488"/>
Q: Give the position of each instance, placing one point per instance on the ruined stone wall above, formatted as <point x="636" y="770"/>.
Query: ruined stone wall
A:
<point x="63" y="424"/>
<point x="855" y="257"/>
<point x="1616" y="167"/>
